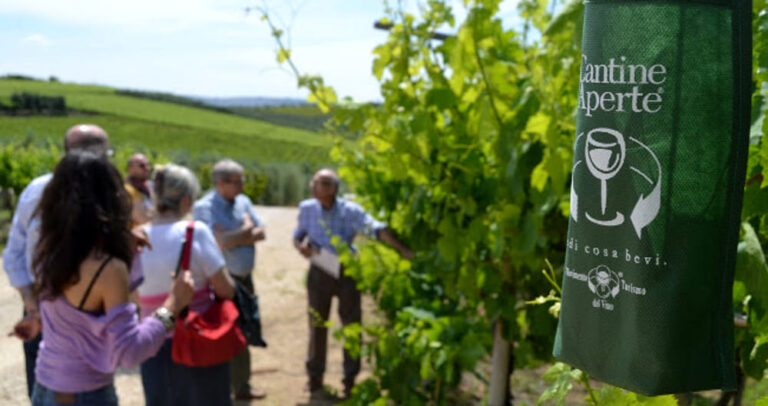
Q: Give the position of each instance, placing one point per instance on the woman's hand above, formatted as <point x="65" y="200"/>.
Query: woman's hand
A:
<point x="182" y="290"/>
<point x="140" y="239"/>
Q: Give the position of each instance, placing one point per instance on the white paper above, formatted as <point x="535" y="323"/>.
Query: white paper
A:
<point x="327" y="261"/>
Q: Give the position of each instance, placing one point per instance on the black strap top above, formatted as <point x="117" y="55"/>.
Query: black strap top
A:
<point x="93" y="280"/>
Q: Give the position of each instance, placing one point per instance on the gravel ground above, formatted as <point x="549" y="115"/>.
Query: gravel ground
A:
<point x="279" y="277"/>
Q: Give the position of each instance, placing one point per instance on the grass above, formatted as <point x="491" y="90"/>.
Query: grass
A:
<point x="308" y="118"/>
<point x="168" y="113"/>
<point x="168" y="139"/>
<point x="163" y="126"/>
<point x="104" y="100"/>
<point x="10" y="86"/>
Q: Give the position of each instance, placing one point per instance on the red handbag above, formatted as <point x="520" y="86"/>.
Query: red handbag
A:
<point x="210" y="338"/>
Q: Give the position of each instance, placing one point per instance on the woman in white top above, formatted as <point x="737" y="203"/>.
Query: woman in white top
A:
<point x="166" y="382"/>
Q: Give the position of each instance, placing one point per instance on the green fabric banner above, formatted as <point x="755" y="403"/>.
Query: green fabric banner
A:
<point x="658" y="177"/>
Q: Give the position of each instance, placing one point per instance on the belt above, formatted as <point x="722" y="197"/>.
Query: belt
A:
<point x="64" y="398"/>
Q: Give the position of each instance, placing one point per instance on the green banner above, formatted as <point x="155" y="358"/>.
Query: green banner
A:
<point x="658" y="178"/>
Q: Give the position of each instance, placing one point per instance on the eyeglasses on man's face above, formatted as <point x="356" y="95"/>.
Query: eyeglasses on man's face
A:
<point x="234" y="181"/>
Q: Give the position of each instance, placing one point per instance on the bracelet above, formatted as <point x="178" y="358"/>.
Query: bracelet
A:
<point x="166" y="317"/>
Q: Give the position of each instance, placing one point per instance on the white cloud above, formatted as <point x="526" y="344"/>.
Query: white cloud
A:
<point x="38" y="39"/>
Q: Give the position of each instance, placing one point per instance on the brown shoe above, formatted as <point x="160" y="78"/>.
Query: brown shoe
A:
<point x="252" y="394"/>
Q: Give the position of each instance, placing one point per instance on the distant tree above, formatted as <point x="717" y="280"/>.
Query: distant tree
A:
<point x="16" y="76"/>
<point x="35" y="104"/>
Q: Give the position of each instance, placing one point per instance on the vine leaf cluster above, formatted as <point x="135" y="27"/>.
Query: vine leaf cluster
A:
<point x="468" y="160"/>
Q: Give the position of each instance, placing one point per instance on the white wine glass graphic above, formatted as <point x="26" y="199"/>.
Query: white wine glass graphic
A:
<point x="604" y="152"/>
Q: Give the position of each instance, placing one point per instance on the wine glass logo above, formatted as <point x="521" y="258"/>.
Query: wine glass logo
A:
<point x="605" y="151"/>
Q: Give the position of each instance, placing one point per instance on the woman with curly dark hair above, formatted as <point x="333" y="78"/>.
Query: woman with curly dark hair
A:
<point x="83" y="257"/>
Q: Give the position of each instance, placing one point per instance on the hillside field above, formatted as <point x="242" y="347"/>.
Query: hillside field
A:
<point x="163" y="127"/>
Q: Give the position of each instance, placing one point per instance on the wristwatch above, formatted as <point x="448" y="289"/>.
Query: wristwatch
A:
<point x="166" y="317"/>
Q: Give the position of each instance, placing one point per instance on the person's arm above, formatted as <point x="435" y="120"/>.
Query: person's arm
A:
<point x="202" y="213"/>
<point x="223" y="285"/>
<point x="30" y="325"/>
<point x="112" y="285"/>
<point x="139" y="212"/>
<point x="386" y="236"/>
<point x="15" y="253"/>
<point x="246" y="234"/>
<point x="304" y="248"/>
<point x="259" y="230"/>
<point x="28" y="299"/>
<point x="251" y="232"/>
<point x="15" y="264"/>
<point x="129" y="342"/>
<point x="208" y="257"/>
<point x="258" y="234"/>
<point x="300" y="234"/>
<point x="15" y="257"/>
<point x="114" y="282"/>
<point x="365" y="223"/>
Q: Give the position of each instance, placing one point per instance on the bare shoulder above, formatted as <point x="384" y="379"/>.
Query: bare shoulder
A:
<point x="110" y="286"/>
<point x="114" y="275"/>
<point x="113" y="283"/>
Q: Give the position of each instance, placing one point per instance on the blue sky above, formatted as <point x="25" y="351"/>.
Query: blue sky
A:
<point x="195" y="47"/>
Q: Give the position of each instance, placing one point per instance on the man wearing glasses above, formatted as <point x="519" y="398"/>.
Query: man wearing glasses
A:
<point x="237" y="228"/>
<point x="321" y="218"/>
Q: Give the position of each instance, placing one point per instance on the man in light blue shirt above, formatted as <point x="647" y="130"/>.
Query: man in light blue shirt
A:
<point x="321" y="218"/>
<point x="237" y="228"/>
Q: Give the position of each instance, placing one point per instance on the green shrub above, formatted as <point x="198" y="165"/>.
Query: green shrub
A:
<point x="35" y="104"/>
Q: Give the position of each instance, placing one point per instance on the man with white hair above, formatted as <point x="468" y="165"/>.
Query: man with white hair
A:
<point x="322" y="218"/>
<point x="22" y="240"/>
<point x="237" y="228"/>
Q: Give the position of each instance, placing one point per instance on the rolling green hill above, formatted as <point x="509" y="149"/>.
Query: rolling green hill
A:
<point x="309" y="117"/>
<point x="162" y="126"/>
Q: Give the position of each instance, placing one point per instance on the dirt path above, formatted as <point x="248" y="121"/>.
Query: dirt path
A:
<point x="279" y="278"/>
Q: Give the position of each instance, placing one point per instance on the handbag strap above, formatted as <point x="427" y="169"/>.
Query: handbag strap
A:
<point x="186" y="249"/>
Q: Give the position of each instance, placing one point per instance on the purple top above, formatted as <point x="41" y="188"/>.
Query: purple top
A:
<point x="80" y="351"/>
